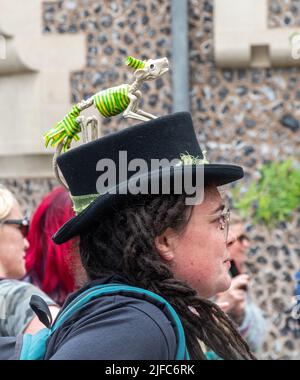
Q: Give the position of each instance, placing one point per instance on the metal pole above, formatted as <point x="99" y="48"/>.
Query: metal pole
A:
<point x="180" y="54"/>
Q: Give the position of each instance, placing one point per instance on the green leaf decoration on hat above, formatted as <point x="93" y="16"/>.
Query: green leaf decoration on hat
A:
<point x="134" y="63"/>
<point x="188" y="159"/>
<point x="65" y="131"/>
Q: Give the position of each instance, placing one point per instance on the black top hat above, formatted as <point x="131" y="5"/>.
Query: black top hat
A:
<point x="169" y="137"/>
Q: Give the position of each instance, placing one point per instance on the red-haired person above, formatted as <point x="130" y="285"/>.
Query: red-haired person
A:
<point x="52" y="267"/>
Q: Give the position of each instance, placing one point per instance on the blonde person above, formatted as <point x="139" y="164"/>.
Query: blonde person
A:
<point x="16" y="316"/>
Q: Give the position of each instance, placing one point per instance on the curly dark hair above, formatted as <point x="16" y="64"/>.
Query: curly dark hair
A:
<point x="124" y="243"/>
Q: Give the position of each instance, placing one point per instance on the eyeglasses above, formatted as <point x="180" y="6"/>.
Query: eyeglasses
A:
<point x="22" y="224"/>
<point x="224" y="219"/>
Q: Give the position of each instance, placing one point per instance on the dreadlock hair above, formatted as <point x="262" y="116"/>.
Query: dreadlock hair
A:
<point x="123" y="243"/>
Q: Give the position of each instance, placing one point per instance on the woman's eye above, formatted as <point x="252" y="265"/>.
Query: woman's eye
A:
<point x="221" y="220"/>
<point x="217" y="220"/>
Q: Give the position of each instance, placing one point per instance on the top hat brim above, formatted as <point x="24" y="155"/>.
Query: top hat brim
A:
<point x="218" y="174"/>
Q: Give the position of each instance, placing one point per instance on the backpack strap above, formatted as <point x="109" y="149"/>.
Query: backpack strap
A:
<point x="33" y="347"/>
<point x="110" y="289"/>
<point x="41" y="309"/>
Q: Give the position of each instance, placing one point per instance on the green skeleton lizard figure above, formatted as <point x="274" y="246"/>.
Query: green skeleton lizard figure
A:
<point x="110" y="102"/>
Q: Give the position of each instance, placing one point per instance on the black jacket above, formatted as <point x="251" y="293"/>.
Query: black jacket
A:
<point x="114" y="327"/>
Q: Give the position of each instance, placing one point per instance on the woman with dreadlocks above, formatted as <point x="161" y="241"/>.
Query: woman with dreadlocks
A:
<point x="158" y="241"/>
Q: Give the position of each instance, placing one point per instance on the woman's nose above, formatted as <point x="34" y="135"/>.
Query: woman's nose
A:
<point x="231" y="238"/>
<point x="246" y="242"/>
<point x="26" y="244"/>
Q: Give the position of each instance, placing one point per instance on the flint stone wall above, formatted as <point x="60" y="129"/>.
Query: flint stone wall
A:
<point x="247" y="117"/>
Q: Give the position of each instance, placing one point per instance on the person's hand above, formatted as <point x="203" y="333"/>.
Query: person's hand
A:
<point x="224" y="306"/>
<point x="235" y="297"/>
<point x="35" y="325"/>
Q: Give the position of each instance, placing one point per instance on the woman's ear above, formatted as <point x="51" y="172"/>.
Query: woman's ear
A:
<point x="164" y="244"/>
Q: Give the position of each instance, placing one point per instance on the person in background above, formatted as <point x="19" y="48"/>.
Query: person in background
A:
<point x="49" y="266"/>
<point x="248" y="316"/>
<point x="292" y="312"/>
<point x="297" y="290"/>
<point x="297" y="300"/>
<point x="16" y="316"/>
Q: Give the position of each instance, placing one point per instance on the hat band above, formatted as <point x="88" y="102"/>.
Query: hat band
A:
<point x="81" y="202"/>
<point x="188" y="159"/>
